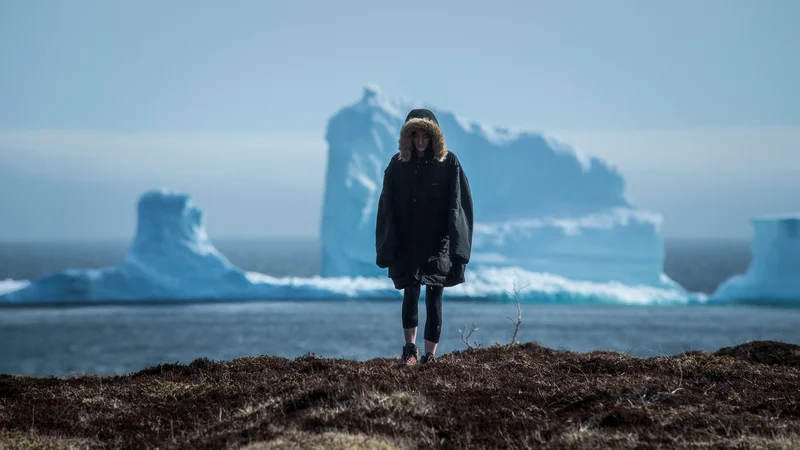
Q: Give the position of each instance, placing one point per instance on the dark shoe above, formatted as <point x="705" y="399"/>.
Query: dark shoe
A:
<point x="428" y="358"/>
<point x="410" y="355"/>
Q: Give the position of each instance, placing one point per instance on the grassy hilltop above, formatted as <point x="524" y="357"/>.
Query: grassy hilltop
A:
<point x="511" y="396"/>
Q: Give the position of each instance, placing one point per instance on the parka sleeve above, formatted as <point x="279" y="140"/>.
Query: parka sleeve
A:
<point x="460" y="216"/>
<point x="385" y="227"/>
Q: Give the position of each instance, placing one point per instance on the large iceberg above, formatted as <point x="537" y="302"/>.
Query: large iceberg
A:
<point x="774" y="273"/>
<point x="539" y="205"/>
<point x="547" y="219"/>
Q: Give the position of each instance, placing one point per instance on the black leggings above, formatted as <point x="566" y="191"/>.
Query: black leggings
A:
<point x="433" y="306"/>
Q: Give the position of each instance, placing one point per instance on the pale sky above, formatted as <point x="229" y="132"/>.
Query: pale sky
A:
<point x="697" y="103"/>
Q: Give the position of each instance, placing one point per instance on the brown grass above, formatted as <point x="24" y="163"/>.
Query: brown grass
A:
<point x="511" y="396"/>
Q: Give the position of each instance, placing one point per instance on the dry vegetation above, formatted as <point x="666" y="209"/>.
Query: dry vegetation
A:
<point x="510" y="396"/>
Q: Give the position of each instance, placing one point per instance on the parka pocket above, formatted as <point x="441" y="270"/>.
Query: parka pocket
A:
<point x="440" y="265"/>
<point x="444" y="246"/>
<point x="439" y="262"/>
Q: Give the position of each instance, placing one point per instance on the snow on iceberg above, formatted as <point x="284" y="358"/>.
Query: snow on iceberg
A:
<point x="539" y="204"/>
<point x="774" y="273"/>
<point x="172" y="258"/>
<point x="9" y="285"/>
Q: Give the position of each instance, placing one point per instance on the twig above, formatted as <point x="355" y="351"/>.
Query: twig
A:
<point x="519" y="314"/>
<point x="465" y="339"/>
<point x="680" y="382"/>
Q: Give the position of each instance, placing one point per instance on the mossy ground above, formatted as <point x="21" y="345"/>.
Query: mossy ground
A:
<point x="520" y="396"/>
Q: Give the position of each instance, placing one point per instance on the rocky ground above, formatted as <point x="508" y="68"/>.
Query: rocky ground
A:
<point x="518" y="396"/>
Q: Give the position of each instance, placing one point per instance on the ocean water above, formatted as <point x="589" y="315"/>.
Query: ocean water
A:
<point x="122" y="339"/>
<point x="118" y="339"/>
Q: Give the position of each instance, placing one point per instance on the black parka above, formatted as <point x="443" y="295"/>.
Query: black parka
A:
<point x="424" y="223"/>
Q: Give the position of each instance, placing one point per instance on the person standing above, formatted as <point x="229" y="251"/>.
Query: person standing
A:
<point x="423" y="232"/>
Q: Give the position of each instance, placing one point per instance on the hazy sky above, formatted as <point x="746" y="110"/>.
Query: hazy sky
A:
<point x="696" y="102"/>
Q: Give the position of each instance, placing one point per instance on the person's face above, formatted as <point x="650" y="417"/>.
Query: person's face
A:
<point x="421" y="140"/>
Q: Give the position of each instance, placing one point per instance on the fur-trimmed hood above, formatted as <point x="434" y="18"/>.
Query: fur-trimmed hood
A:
<point x="422" y="120"/>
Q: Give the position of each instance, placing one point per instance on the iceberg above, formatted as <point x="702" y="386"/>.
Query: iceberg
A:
<point x="539" y="204"/>
<point x="773" y="276"/>
<point x="548" y="220"/>
<point x="172" y="258"/>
